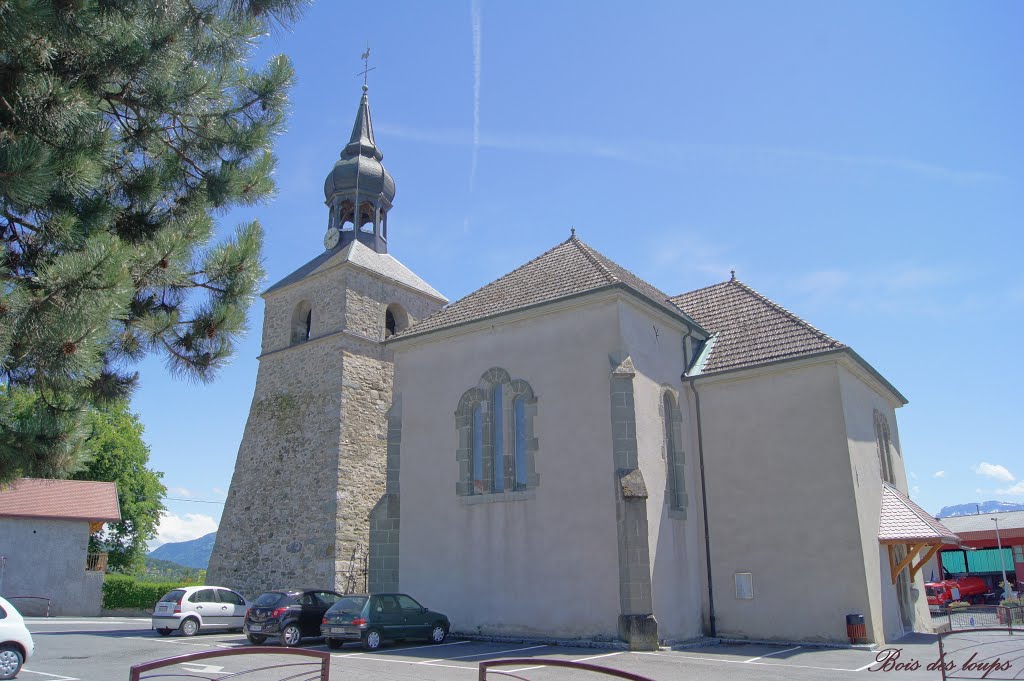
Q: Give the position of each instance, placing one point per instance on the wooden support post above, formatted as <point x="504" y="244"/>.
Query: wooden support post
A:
<point x="914" y="569"/>
<point x="912" y="551"/>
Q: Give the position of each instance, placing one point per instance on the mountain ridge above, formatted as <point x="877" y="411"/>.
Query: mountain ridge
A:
<point x="194" y="553"/>
<point x="979" y="507"/>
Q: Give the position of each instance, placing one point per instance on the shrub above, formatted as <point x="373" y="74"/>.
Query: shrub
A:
<point x="124" y="591"/>
<point x="958" y="604"/>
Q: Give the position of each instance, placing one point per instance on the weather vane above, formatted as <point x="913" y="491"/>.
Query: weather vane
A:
<point x="366" y="66"/>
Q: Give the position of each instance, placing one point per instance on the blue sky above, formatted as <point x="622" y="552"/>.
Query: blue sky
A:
<point x="860" y="163"/>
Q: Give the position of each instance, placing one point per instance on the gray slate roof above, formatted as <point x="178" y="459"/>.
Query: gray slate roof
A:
<point x="1008" y="520"/>
<point x="570" y="268"/>
<point x="365" y="257"/>
<point x="749" y="329"/>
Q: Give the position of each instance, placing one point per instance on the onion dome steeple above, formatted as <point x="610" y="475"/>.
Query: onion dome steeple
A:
<point x="359" y="179"/>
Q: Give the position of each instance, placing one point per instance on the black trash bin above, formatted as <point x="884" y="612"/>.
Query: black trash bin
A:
<point x="856" y="629"/>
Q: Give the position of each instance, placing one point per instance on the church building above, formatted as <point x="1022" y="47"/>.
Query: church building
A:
<point x="567" y="452"/>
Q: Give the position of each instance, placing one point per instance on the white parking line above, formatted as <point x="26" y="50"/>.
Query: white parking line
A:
<point x="433" y="645"/>
<point x="582" y="659"/>
<point x="54" y="676"/>
<point x="766" y="664"/>
<point x="494" y="652"/>
<point x="777" y="652"/>
<point x="869" y="664"/>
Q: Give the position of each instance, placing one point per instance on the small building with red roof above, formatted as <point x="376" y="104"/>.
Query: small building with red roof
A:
<point x="45" y="526"/>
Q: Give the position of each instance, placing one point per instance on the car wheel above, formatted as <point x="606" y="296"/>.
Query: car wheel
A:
<point x="439" y="633"/>
<point x="372" y="640"/>
<point x="291" y="635"/>
<point x="10" y="662"/>
<point x="334" y="643"/>
<point x="165" y="632"/>
<point x="256" y="639"/>
<point x="190" y="627"/>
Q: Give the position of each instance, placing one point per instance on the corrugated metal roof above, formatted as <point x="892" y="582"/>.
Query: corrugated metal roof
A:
<point x="982" y="522"/>
<point x="61" y="499"/>
<point x="903" y="520"/>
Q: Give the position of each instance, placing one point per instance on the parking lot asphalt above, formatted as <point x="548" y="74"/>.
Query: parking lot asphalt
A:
<point x="104" y="649"/>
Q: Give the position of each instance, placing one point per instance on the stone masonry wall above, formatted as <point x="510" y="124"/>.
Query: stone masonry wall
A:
<point x="311" y="465"/>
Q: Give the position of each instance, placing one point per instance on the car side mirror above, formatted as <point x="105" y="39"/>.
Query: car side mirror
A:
<point x="423" y="610"/>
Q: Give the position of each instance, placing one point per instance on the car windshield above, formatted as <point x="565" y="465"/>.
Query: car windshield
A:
<point x="173" y="596"/>
<point x="270" y="599"/>
<point x="933" y="590"/>
<point x="349" y="604"/>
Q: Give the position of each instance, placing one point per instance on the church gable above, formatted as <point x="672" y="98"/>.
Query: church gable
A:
<point x="569" y="269"/>
<point x="749" y="329"/>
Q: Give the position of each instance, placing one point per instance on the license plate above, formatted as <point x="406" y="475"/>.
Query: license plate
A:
<point x="339" y="630"/>
<point x="255" y="627"/>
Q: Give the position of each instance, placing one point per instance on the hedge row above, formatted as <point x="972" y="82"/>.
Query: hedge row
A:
<point x="125" y="591"/>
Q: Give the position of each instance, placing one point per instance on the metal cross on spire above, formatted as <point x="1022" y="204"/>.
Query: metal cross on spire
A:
<point x="366" y="65"/>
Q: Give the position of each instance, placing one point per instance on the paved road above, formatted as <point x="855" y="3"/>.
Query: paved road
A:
<point x="103" y="649"/>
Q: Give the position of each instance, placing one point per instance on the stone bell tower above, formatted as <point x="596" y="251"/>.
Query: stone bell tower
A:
<point x="312" y="461"/>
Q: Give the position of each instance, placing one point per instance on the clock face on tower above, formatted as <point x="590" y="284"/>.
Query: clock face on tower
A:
<point x="331" y="238"/>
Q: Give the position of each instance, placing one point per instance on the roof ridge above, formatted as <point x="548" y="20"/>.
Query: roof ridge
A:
<point x="702" y="288"/>
<point x="412" y="327"/>
<point x="772" y="304"/>
<point x="590" y="255"/>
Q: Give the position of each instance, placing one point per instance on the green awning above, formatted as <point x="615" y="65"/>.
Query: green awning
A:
<point x="982" y="560"/>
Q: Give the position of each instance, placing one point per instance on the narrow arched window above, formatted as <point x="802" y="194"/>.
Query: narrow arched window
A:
<point x="479" y="481"/>
<point x="302" y="322"/>
<point x="498" y="428"/>
<point x="673" y="455"/>
<point x="396" y="320"/>
<point x="884" y="446"/>
<point x="519" y="417"/>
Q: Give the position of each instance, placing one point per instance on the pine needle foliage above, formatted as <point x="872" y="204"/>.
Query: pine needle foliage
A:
<point x="125" y="126"/>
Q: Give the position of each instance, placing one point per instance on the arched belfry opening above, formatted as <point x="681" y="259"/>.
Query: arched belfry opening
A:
<point x="302" y="322"/>
<point x="396" y="320"/>
<point x="359" y="191"/>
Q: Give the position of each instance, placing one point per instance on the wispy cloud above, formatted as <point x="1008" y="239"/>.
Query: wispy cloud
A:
<point x="179" y="491"/>
<point x="939" y="474"/>
<point x="1016" y="489"/>
<point x="477" y="62"/>
<point x="656" y="152"/>
<point x="218" y="492"/>
<point x="174" y="528"/>
<point x="993" y="470"/>
<point x="689" y="251"/>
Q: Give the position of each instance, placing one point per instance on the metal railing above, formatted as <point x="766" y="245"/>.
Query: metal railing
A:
<point x="983" y="616"/>
<point x="96" y="562"/>
<point x="34" y="598"/>
<point x="317" y="669"/>
<point x="528" y="663"/>
<point x="986" y="653"/>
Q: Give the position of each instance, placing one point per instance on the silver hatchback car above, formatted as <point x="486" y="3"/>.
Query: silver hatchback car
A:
<point x="192" y="608"/>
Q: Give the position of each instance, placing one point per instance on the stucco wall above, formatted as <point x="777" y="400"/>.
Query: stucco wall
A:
<point x="781" y="503"/>
<point x="655" y="346"/>
<point x="543" y="565"/>
<point x="47" y="558"/>
<point x="860" y="402"/>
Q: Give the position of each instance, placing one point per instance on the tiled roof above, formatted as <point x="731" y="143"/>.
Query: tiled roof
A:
<point x="903" y="520"/>
<point x="367" y="258"/>
<point x="982" y="522"/>
<point x="749" y="329"/>
<point x="570" y="268"/>
<point x="60" y="499"/>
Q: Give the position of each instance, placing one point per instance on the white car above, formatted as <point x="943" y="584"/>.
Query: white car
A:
<point x="192" y="608"/>
<point x="16" y="644"/>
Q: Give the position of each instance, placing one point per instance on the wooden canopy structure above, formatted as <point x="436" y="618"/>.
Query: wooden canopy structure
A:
<point x="904" y="527"/>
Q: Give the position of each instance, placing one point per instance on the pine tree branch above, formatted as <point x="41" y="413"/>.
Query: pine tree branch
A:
<point x="21" y="221"/>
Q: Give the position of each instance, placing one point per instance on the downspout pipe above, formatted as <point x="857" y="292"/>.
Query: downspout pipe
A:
<point x="704" y="504"/>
